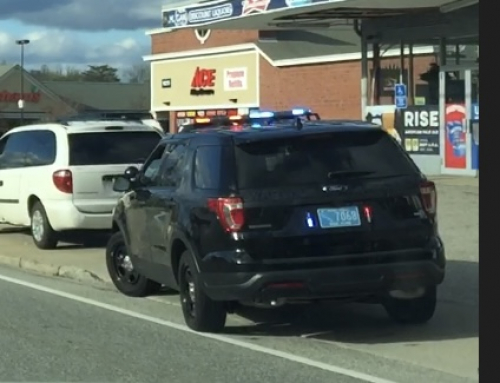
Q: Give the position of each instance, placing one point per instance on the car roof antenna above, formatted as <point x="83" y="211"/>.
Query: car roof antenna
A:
<point x="298" y="123"/>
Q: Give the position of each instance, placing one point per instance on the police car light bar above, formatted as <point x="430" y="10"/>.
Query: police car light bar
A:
<point x="202" y="120"/>
<point x="260" y="114"/>
<point x="300" y="111"/>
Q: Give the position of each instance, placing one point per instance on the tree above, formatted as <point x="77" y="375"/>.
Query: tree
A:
<point x="100" y="73"/>
<point x="57" y="73"/>
<point x="138" y="73"/>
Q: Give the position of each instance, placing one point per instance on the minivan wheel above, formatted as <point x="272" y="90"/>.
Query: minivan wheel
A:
<point x="200" y="312"/>
<point x="124" y="276"/>
<point x="43" y="235"/>
<point x="413" y="311"/>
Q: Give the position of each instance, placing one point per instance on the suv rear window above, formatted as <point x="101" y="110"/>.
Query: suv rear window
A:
<point x="111" y="148"/>
<point x="319" y="158"/>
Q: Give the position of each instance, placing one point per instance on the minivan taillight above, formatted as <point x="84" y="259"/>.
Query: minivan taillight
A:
<point x="229" y="211"/>
<point x="63" y="181"/>
<point x="428" y="194"/>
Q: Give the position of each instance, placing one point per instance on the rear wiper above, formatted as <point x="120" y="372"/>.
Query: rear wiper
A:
<point x="349" y="173"/>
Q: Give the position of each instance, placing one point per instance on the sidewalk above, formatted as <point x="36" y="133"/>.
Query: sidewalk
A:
<point x="455" y="181"/>
<point x="68" y="261"/>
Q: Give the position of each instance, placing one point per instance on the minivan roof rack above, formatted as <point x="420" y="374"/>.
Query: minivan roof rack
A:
<point x="110" y="115"/>
<point x="136" y="117"/>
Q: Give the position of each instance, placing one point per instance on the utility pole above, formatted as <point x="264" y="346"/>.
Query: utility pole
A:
<point x="20" y="103"/>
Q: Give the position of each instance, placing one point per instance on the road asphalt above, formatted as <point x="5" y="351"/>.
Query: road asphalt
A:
<point x="55" y="330"/>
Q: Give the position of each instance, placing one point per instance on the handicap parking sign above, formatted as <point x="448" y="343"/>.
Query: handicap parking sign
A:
<point x="400" y="96"/>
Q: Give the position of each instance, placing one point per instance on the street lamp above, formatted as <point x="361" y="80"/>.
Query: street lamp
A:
<point x="22" y="43"/>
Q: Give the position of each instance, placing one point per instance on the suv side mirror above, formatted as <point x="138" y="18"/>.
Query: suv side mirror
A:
<point x="131" y="173"/>
<point x="122" y="184"/>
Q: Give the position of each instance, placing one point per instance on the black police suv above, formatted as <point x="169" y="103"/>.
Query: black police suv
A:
<point x="279" y="215"/>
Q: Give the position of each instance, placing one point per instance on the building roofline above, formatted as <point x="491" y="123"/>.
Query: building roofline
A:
<point x="323" y="59"/>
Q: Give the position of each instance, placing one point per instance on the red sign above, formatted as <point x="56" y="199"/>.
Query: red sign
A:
<point x="455" y="137"/>
<point x="6" y="96"/>
<point x="202" y="82"/>
<point x="254" y="6"/>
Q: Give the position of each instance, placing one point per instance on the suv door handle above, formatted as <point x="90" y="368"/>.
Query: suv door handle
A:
<point x="1" y="183"/>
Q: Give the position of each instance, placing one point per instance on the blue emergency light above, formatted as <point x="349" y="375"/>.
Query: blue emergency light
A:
<point x="300" y="111"/>
<point x="260" y="114"/>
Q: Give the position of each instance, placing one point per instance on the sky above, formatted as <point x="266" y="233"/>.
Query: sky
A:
<point x="77" y="33"/>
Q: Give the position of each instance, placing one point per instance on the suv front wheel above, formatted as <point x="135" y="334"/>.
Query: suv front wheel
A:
<point x="124" y="276"/>
<point x="413" y="311"/>
<point x="200" y="312"/>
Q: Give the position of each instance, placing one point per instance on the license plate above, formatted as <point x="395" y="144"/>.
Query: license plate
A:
<point x="339" y="217"/>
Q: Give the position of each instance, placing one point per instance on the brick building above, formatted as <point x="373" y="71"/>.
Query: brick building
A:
<point x="203" y="72"/>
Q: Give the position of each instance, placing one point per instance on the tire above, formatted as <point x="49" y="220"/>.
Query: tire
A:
<point x="44" y="236"/>
<point x="204" y="314"/>
<point x="120" y="269"/>
<point x="413" y="311"/>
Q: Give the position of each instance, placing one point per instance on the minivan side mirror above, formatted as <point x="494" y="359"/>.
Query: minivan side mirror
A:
<point x="122" y="184"/>
<point x="131" y="173"/>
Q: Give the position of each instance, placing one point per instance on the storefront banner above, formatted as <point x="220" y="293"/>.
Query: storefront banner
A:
<point x="200" y="14"/>
<point x="475" y="136"/>
<point x="455" y="136"/>
<point x="419" y="127"/>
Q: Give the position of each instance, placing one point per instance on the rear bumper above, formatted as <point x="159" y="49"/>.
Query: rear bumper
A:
<point x="409" y="269"/>
<point x="63" y="215"/>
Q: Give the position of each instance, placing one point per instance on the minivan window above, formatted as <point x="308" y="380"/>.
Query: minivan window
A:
<point x="14" y="151"/>
<point x="41" y="148"/>
<point x="111" y="148"/>
<point x="319" y="158"/>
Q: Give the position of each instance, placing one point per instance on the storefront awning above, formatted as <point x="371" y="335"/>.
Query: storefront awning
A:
<point x="276" y="14"/>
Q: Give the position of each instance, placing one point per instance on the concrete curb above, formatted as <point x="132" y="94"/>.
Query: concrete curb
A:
<point x="63" y="271"/>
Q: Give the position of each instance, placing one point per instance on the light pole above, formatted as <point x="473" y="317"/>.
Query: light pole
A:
<point x="22" y="43"/>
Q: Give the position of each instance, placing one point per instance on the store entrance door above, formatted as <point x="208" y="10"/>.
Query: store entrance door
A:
<point x="459" y="105"/>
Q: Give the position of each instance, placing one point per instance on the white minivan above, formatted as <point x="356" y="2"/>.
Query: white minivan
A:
<point x="59" y="177"/>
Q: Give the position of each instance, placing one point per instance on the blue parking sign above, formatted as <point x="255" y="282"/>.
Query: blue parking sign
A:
<point x="400" y="96"/>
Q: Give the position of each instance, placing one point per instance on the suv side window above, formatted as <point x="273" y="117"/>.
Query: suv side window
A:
<point x="172" y="170"/>
<point x="14" y="151"/>
<point x="207" y="167"/>
<point x="41" y="148"/>
<point x="151" y="168"/>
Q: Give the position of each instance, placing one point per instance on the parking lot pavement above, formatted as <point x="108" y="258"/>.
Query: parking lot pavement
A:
<point x="449" y="343"/>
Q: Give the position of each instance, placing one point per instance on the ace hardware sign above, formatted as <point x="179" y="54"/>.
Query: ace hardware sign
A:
<point x="203" y="82"/>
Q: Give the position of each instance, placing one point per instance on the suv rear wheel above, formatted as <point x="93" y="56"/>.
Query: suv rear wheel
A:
<point x="413" y="311"/>
<point x="200" y="312"/>
<point x="124" y="276"/>
<point x="43" y="235"/>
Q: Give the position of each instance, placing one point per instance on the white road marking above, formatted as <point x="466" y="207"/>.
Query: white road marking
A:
<point x="163" y="301"/>
<point x="245" y="345"/>
<point x="315" y="334"/>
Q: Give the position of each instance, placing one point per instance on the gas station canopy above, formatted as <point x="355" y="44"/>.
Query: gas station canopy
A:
<point x="293" y="14"/>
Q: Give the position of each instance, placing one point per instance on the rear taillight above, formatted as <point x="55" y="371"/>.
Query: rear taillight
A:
<point x="428" y="194"/>
<point x="229" y="211"/>
<point x="63" y="181"/>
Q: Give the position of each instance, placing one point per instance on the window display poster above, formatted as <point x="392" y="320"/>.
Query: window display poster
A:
<point x="475" y="136"/>
<point x="455" y="136"/>
<point x="420" y="128"/>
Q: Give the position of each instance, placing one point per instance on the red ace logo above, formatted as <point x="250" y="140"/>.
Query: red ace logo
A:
<point x="203" y="82"/>
<point x="254" y="6"/>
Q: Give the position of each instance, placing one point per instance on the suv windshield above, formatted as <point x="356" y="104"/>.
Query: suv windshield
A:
<point x="319" y="158"/>
<point x="111" y="148"/>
